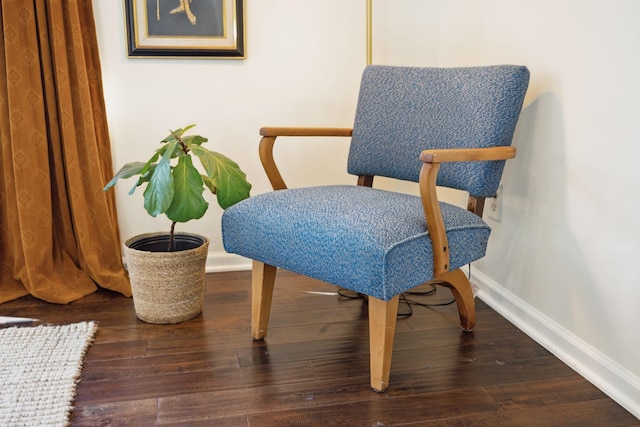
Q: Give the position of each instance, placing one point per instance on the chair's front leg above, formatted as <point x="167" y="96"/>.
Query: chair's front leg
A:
<point x="382" y="328"/>
<point x="457" y="281"/>
<point x="263" y="278"/>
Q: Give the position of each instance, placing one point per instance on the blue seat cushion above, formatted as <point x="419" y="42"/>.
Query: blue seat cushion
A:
<point x="364" y="239"/>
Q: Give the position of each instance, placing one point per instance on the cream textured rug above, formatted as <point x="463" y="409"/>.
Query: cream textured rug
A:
<point x="39" y="369"/>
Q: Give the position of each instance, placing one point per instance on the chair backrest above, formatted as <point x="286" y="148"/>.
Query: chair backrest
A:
<point x="404" y="110"/>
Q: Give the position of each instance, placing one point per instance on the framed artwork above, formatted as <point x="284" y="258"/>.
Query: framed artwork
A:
<point x="185" y="28"/>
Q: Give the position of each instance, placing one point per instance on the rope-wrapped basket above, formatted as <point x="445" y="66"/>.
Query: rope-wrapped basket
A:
<point x="167" y="287"/>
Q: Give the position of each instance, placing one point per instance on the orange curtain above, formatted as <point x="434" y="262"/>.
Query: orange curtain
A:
<point x="59" y="237"/>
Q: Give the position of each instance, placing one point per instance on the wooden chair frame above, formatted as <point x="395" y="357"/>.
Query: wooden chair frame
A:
<point x="382" y="314"/>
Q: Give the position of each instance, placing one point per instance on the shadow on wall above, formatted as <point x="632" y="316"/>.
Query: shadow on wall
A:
<point x="533" y="252"/>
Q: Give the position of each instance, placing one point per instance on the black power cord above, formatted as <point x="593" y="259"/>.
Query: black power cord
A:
<point x="406" y="309"/>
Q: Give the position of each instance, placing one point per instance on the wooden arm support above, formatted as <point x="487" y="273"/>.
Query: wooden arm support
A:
<point x="269" y="135"/>
<point x="431" y="164"/>
<point x="304" y="131"/>
<point x="467" y="154"/>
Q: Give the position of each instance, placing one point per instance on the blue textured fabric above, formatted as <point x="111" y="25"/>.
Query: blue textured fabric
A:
<point x="404" y="110"/>
<point x="367" y="240"/>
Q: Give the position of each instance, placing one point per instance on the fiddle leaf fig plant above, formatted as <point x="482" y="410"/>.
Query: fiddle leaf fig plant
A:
<point x="174" y="186"/>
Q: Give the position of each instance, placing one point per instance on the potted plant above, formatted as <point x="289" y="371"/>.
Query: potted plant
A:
<point x="167" y="270"/>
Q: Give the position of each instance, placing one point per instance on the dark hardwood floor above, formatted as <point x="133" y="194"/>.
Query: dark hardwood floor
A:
<point x="313" y="367"/>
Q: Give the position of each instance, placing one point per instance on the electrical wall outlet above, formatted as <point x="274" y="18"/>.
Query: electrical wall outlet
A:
<point x="495" y="206"/>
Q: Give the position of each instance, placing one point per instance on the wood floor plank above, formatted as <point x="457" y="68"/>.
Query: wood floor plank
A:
<point x="265" y="399"/>
<point x="169" y="384"/>
<point x="117" y="350"/>
<point x="542" y="393"/>
<point x="478" y="374"/>
<point x="128" y="413"/>
<point x="170" y="364"/>
<point x="600" y="412"/>
<point x="427" y="359"/>
<point x="265" y="353"/>
<point x="385" y="412"/>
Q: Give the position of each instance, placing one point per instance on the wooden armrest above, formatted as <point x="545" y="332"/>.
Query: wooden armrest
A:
<point x="468" y="154"/>
<point x="269" y="135"/>
<point x="428" y="174"/>
<point x="305" y="131"/>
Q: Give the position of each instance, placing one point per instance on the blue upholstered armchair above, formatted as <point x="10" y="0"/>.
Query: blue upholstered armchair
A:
<point x="447" y="127"/>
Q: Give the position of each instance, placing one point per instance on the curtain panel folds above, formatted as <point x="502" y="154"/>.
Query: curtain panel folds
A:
<point x="59" y="237"/>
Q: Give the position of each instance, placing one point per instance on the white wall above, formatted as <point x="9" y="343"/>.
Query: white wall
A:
<point x="561" y="262"/>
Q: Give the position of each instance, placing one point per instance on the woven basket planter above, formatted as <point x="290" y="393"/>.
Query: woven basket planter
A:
<point x="167" y="287"/>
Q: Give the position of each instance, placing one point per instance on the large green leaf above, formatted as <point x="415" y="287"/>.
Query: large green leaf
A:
<point x="143" y="178"/>
<point x="188" y="202"/>
<point x="159" y="192"/>
<point x="156" y="155"/>
<point x="127" y="171"/>
<point x="190" y="140"/>
<point x="225" y="178"/>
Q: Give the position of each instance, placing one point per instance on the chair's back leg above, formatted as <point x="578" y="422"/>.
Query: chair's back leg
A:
<point x="263" y="278"/>
<point x="476" y="205"/>
<point x="382" y="328"/>
<point x="457" y="281"/>
<point x="365" y="180"/>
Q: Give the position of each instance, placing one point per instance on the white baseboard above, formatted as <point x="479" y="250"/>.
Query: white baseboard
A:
<point x="614" y="380"/>
<point x="222" y="261"/>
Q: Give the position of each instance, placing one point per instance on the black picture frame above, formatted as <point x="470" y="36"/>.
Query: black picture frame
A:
<point x="185" y="28"/>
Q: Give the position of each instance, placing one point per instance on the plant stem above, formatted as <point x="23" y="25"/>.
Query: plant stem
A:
<point x="171" y="240"/>
<point x="184" y="147"/>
